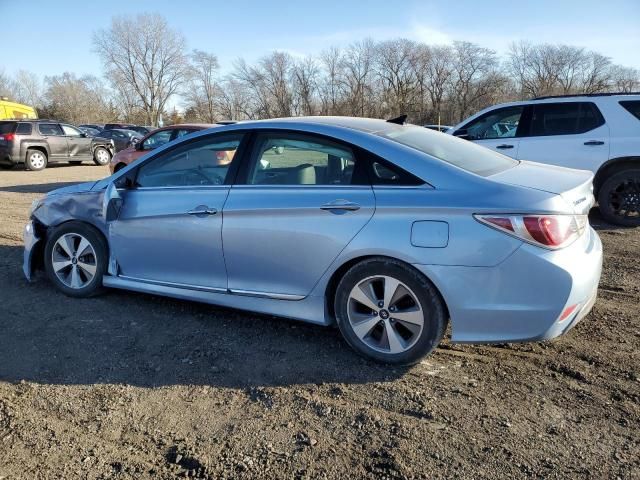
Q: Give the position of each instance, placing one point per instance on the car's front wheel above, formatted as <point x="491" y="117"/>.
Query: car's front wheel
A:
<point x="76" y="259"/>
<point x="619" y="198"/>
<point x="101" y="156"/>
<point x="389" y="312"/>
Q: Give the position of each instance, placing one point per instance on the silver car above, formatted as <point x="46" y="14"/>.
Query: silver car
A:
<point x="390" y="231"/>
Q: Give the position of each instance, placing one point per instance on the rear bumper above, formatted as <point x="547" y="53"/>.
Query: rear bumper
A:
<point x="6" y="157"/>
<point x="522" y="298"/>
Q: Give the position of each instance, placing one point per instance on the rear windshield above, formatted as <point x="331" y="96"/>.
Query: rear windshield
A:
<point x="461" y="153"/>
<point x="7" y="127"/>
<point x="633" y="107"/>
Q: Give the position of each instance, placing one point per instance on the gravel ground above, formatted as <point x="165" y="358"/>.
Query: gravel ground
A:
<point x="134" y="386"/>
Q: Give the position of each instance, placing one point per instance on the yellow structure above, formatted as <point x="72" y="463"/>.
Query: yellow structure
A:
<point x="10" y="110"/>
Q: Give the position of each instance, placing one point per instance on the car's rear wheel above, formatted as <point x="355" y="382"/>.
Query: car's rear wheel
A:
<point x="35" y="159"/>
<point x="389" y="312"/>
<point x="619" y="198"/>
<point x="101" y="156"/>
<point x="76" y="259"/>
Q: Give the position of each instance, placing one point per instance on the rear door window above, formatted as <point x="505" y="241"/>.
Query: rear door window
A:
<point x="50" y="129"/>
<point x="298" y="159"/>
<point x="632" y="106"/>
<point x="566" y="118"/>
<point x="24" y="129"/>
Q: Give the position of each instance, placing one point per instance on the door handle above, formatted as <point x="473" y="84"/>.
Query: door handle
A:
<point x="203" y="211"/>
<point x="341" y="205"/>
<point x="504" y="146"/>
<point x="594" y="142"/>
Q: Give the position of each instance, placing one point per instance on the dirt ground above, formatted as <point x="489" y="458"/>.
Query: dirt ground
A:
<point x="134" y="386"/>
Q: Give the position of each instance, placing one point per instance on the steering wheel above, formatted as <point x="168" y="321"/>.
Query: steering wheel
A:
<point x="195" y="176"/>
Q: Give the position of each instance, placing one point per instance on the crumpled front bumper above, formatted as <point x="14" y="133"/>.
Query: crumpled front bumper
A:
<point x="30" y="241"/>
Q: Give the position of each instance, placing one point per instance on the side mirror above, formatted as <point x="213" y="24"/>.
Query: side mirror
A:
<point x="111" y="203"/>
<point x="83" y="135"/>
<point x="462" y="133"/>
<point x="138" y="146"/>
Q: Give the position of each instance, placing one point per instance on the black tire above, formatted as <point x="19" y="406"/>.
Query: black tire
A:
<point x="619" y="198"/>
<point x="75" y="162"/>
<point x="100" y="259"/>
<point x="434" y="310"/>
<point x="119" y="167"/>
<point x="35" y="160"/>
<point x="101" y="156"/>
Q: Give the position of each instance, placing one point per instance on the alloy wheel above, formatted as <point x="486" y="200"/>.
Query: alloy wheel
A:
<point x="625" y="198"/>
<point x="385" y="314"/>
<point x="74" y="261"/>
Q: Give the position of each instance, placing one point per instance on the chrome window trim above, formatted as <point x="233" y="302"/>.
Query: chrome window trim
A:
<point x="185" y="187"/>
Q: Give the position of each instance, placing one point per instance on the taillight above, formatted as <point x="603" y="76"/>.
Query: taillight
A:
<point x="7" y="137"/>
<point x="549" y="231"/>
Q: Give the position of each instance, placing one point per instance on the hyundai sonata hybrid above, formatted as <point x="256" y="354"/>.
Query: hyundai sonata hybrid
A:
<point x="388" y="230"/>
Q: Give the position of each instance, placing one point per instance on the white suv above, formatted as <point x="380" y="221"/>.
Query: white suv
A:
<point x="598" y="132"/>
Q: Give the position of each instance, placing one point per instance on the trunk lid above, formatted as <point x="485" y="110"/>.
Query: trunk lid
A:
<point x="574" y="186"/>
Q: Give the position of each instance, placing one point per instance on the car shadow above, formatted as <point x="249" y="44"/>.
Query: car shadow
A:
<point x="599" y="223"/>
<point x="148" y="341"/>
<point x="37" y="187"/>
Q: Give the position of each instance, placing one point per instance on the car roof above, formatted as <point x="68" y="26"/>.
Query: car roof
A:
<point x="200" y="126"/>
<point x="368" y="125"/>
<point x="124" y="130"/>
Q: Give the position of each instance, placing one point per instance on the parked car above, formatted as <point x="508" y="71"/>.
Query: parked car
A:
<point x="596" y="132"/>
<point x="151" y="141"/>
<point x="121" y="138"/>
<point x="438" y="128"/>
<point x="37" y="143"/>
<point x="95" y="126"/>
<point x="127" y="126"/>
<point x="388" y="230"/>
<point x="13" y="110"/>
<point x="92" y="132"/>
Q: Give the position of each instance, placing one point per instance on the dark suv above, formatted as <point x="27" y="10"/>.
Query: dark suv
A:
<point x="36" y="143"/>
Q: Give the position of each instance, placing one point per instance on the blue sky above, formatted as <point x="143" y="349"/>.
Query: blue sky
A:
<point x="58" y="34"/>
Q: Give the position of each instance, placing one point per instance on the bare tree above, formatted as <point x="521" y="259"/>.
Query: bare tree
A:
<point x="356" y="74"/>
<point x="6" y="85"/>
<point x="147" y="56"/>
<point x="329" y="88"/>
<point x="76" y="100"/>
<point x="270" y="84"/>
<point x="305" y="85"/>
<point x="475" y="71"/>
<point x="202" y="91"/>
<point x="28" y="88"/>
<point x="624" y="79"/>
<point x="233" y="101"/>
<point x="394" y="63"/>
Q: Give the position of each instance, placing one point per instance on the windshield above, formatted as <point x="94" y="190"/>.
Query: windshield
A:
<point x="461" y="153"/>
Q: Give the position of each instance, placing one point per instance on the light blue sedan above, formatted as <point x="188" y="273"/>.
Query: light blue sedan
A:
<point x="390" y="231"/>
